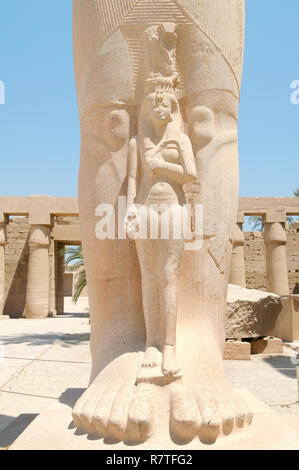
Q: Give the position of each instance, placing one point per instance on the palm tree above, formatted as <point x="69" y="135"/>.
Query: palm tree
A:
<point x="75" y="262"/>
<point x="257" y="223"/>
<point x="293" y="219"/>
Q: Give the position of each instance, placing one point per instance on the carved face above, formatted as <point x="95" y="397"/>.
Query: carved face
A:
<point x="161" y="108"/>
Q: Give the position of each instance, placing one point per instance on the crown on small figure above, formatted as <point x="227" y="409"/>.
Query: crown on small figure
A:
<point x="159" y="84"/>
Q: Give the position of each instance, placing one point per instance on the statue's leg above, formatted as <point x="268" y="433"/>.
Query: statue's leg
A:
<point x="173" y="251"/>
<point x="160" y="262"/>
<point x="151" y="303"/>
<point x="210" y="45"/>
<point x="103" y="71"/>
<point x="212" y="82"/>
<point x="168" y="307"/>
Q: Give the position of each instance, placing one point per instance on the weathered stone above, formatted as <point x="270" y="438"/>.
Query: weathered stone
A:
<point x="251" y="313"/>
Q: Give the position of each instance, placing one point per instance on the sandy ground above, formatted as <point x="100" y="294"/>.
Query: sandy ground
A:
<point x="41" y="359"/>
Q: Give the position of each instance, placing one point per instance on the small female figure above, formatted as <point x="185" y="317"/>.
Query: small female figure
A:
<point x="161" y="162"/>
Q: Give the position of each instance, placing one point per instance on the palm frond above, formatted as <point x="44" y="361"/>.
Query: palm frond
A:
<point x="80" y="284"/>
<point x="74" y="261"/>
<point x="257" y="223"/>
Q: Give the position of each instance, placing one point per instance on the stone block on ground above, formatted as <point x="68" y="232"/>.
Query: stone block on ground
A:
<point x="237" y="351"/>
<point x="251" y="313"/>
<point x="287" y="325"/>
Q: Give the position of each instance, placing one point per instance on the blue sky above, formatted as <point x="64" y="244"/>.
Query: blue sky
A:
<point x="39" y="129"/>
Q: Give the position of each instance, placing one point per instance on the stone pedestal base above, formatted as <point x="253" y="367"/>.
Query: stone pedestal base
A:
<point x="54" y="430"/>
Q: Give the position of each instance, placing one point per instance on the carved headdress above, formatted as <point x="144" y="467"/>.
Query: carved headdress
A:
<point x="161" y="70"/>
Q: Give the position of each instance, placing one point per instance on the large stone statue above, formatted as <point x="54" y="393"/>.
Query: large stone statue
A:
<point x="158" y="85"/>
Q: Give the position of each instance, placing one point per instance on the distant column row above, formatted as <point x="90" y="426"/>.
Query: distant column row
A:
<point x="276" y="255"/>
<point x="38" y="282"/>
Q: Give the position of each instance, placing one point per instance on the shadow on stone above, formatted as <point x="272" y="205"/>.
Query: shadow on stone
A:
<point x="296" y="289"/>
<point x="282" y="364"/>
<point x="74" y="315"/>
<point x="65" y="340"/>
<point x="71" y="396"/>
<point x="15" y="429"/>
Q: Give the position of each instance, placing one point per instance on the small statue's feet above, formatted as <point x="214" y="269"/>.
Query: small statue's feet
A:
<point x="114" y="408"/>
<point x="152" y="357"/>
<point x="170" y="365"/>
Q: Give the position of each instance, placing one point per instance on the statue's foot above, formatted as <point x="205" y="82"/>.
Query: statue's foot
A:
<point x="118" y="407"/>
<point x="185" y="418"/>
<point x="113" y="407"/>
<point x="152" y="358"/>
<point x="170" y="365"/>
<point x="151" y="370"/>
<point x="222" y="411"/>
<point x="208" y="412"/>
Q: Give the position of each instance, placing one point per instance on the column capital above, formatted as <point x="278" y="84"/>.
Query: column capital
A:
<point x="238" y="238"/>
<point x="275" y="234"/>
<point x="3" y="235"/>
<point x="40" y="235"/>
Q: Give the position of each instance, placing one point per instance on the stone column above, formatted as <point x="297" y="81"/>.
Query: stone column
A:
<point x="52" y="274"/>
<point x="2" y="265"/>
<point x="237" y="271"/>
<point x="60" y="269"/>
<point x="37" y="295"/>
<point x="275" y="240"/>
